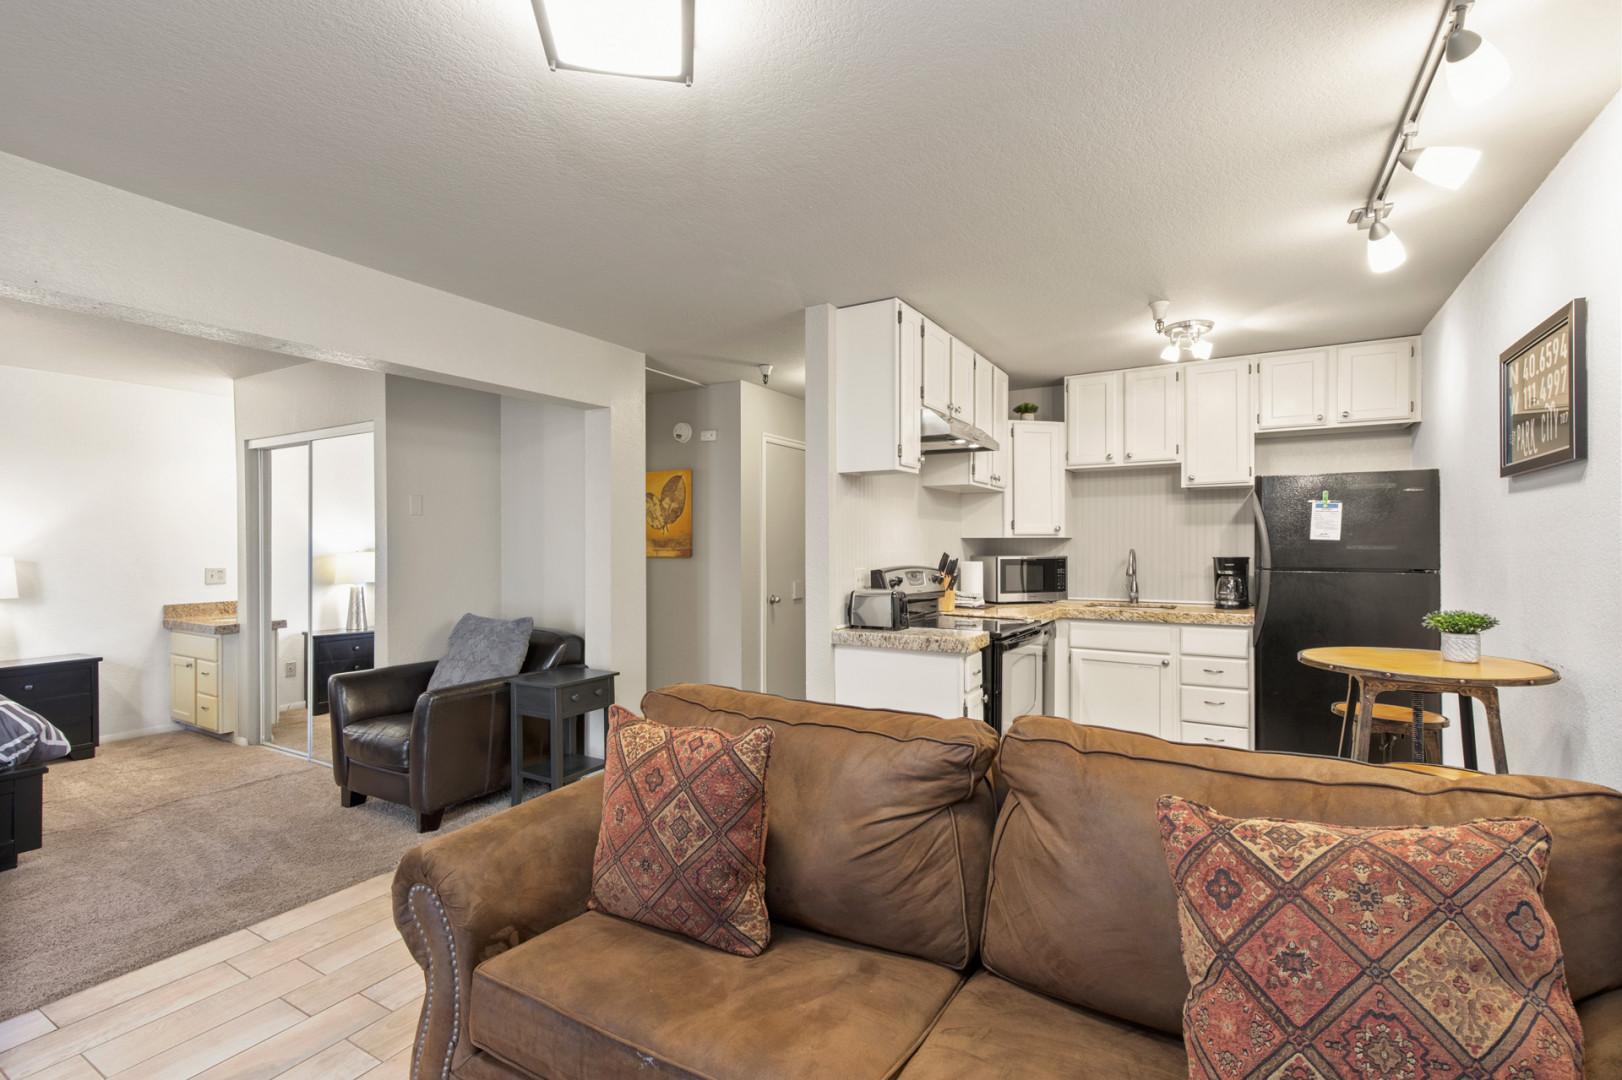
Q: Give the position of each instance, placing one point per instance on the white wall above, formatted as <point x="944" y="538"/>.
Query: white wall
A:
<point x="71" y="242"/>
<point x="444" y="452"/>
<point x="114" y="497"/>
<point x="543" y="446"/>
<point x="695" y="631"/>
<point x="1539" y="551"/>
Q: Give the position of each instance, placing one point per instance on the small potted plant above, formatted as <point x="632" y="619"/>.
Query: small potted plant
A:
<point x="1025" y="410"/>
<point x="1461" y="633"/>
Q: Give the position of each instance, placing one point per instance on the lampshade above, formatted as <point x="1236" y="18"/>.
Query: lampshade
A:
<point x="8" y="578"/>
<point x="354" y="568"/>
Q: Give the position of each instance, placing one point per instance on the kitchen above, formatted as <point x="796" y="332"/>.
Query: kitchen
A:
<point x="1113" y="506"/>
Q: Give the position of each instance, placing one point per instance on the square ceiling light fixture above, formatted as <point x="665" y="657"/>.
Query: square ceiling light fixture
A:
<point x="645" y="39"/>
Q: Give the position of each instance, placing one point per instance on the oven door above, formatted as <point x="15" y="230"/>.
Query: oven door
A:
<point x="1021" y="678"/>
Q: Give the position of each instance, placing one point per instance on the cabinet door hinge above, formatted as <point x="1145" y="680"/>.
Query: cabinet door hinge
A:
<point x="898" y="451"/>
<point x="1410" y="408"/>
<point x="1010" y="524"/>
<point x="1410" y="352"/>
<point x="1250" y="470"/>
<point x="1258" y="418"/>
<point x="898" y="317"/>
<point x="1178" y="449"/>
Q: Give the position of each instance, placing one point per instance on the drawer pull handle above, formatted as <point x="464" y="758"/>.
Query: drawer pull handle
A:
<point x="1214" y="670"/>
<point x="28" y="686"/>
<point x="600" y="691"/>
<point x="575" y="696"/>
<point x="1219" y="741"/>
<point x="1215" y="703"/>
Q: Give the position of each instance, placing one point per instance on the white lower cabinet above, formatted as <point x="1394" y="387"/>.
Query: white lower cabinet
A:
<point x="1130" y="691"/>
<point x="202" y="681"/>
<point x="1183" y="683"/>
<point x="944" y="684"/>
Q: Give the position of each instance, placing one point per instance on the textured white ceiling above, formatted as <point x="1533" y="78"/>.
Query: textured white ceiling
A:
<point x="1029" y="173"/>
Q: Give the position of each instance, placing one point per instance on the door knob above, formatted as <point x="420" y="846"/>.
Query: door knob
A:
<point x="774" y="599"/>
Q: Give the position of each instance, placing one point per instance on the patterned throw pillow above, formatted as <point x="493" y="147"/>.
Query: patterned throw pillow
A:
<point x="683" y="840"/>
<point x="1322" y="951"/>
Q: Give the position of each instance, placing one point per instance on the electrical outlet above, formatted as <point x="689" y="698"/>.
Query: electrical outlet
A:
<point x="214" y="575"/>
<point x="290" y="669"/>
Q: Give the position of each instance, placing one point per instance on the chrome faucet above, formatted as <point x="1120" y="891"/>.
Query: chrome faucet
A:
<point x="1131" y="575"/>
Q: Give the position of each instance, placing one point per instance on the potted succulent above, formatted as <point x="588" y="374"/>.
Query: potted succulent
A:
<point x="1025" y="410"/>
<point x="1461" y="633"/>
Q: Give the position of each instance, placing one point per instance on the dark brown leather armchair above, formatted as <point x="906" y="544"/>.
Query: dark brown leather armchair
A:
<point x="394" y="738"/>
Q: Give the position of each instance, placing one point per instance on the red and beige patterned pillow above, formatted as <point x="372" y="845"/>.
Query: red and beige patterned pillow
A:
<point x="683" y="841"/>
<point x="1322" y="951"/>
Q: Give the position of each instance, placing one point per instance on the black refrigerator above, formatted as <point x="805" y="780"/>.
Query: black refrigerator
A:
<point x="1371" y="586"/>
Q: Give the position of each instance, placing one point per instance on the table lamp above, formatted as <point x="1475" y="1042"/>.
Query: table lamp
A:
<point x="8" y="578"/>
<point x="357" y="569"/>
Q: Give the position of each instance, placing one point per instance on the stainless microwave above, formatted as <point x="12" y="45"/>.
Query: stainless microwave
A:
<point x="1024" y="579"/>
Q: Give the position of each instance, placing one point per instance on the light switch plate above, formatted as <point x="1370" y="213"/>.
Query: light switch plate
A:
<point x="414" y="505"/>
<point x="707" y="435"/>
<point x="214" y="575"/>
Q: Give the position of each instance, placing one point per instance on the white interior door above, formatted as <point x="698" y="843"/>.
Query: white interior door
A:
<point x="782" y="538"/>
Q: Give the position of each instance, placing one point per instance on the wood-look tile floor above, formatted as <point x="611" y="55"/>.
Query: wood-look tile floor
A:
<point x="323" y="991"/>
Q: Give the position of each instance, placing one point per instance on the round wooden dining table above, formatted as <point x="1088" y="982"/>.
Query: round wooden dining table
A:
<point x="1379" y="671"/>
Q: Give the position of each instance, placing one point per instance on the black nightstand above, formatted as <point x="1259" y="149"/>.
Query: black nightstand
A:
<point x="558" y="696"/>
<point x="64" y="690"/>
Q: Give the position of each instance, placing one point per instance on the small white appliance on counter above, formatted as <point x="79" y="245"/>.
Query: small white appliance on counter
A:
<point x="971" y="588"/>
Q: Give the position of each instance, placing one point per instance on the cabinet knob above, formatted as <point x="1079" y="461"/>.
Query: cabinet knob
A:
<point x="1166" y="662"/>
<point x="1129" y="456"/>
<point x="1190" y="478"/>
<point x="1345" y="414"/>
<point x="575" y="696"/>
<point x="600" y="691"/>
<point x="1055" y="529"/>
<point x="1320" y="416"/>
<point x="1109" y="457"/>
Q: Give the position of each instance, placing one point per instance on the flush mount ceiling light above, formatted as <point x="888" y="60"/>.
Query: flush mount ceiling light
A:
<point x="1186" y="335"/>
<point x="1475" y="70"/>
<point x="645" y="39"/>
<point x="1445" y="166"/>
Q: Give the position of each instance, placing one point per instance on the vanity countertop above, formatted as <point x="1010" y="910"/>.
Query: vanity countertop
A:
<point x="217" y="617"/>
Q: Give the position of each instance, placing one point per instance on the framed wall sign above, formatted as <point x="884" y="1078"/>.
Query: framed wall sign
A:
<point x="1543" y="395"/>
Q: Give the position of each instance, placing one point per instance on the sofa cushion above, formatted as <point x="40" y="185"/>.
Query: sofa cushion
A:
<point x="605" y="998"/>
<point x="880" y="824"/>
<point x="384" y="742"/>
<point x="996" y="1029"/>
<point x="482" y="648"/>
<point x="682" y="845"/>
<point x="1080" y="906"/>
<point x="1314" y="948"/>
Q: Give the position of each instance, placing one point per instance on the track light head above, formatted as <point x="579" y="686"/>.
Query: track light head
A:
<point x="1171" y="352"/>
<point x="1385" y="250"/>
<point x="1445" y="166"/>
<point x="1475" y="70"/>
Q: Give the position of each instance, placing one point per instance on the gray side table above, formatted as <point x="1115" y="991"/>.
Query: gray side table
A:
<point x="559" y="696"/>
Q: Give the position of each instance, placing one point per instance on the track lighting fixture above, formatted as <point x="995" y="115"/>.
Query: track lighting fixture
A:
<point x="1475" y="71"/>
<point x="1188" y="334"/>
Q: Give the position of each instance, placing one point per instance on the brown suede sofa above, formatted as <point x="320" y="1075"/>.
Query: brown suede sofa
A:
<point x="925" y="925"/>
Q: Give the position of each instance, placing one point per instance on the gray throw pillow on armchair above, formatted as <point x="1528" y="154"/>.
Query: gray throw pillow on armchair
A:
<point x="482" y="648"/>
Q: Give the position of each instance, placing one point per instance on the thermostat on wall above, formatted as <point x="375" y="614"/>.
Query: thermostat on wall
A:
<point x="682" y="432"/>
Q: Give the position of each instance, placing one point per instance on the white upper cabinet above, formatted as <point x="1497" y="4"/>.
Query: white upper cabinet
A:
<point x="1092" y="420"/>
<point x="1218" y="444"/>
<point x="1375" y="382"/>
<point x="962" y="382"/>
<point x="1292" y="390"/>
<point x="1151" y="428"/>
<point x="1035" y="497"/>
<point x="984" y="384"/>
<point x="989" y="468"/>
<point x="877" y="420"/>
<point x="937" y="366"/>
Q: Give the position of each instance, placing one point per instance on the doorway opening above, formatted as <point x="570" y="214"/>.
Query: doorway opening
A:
<point x="782" y="566"/>
<point x="317" y="546"/>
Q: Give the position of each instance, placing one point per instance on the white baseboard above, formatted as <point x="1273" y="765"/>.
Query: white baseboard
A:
<point x="136" y="733"/>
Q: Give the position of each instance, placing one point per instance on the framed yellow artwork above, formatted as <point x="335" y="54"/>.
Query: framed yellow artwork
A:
<point x="669" y="507"/>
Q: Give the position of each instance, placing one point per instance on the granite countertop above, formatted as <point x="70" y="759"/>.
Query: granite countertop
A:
<point x="925" y="639"/>
<point x="209" y="617"/>
<point x="1121" y="611"/>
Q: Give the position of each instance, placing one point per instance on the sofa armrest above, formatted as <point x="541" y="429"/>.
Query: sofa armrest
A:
<point x="362" y="695"/>
<point x="459" y="744"/>
<point x="1601" y="1017"/>
<point x="462" y="898"/>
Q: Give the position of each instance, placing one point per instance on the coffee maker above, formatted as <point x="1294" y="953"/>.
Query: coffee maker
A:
<point x="1232" y="580"/>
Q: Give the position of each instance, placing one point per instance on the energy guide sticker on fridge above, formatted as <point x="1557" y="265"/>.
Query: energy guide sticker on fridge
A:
<point x="1325" y="520"/>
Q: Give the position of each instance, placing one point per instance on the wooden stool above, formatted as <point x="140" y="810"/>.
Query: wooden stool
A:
<point x="1398" y="720"/>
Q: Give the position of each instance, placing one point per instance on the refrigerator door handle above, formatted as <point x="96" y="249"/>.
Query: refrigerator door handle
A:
<point x="1261" y="607"/>
<point x="1264" y="543"/>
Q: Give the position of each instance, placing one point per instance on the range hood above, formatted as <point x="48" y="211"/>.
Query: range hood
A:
<point x="949" y="435"/>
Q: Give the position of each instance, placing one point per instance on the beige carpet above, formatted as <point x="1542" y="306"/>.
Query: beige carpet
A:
<point x="161" y="843"/>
